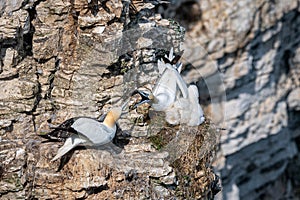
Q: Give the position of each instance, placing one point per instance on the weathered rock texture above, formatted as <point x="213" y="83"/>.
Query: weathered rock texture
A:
<point x="62" y="59"/>
<point x="256" y="46"/>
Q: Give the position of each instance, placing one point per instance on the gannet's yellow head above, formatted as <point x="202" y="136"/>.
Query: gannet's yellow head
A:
<point x="112" y="117"/>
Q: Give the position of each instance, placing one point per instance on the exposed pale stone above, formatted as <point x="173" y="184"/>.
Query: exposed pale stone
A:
<point x="294" y="99"/>
<point x="237" y="107"/>
<point x="12" y="23"/>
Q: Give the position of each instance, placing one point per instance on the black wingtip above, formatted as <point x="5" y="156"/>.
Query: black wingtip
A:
<point x="174" y="60"/>
<point x="50" y="138"/>
<point x="46" y="136"/>
<point x="60" y="133"/>
<point x="144" y="96"/>
<point x="166" y="60"/>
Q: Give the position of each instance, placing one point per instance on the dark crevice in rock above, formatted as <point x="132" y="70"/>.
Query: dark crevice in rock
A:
<point x="28" y="37"/>
<point x="7" y="42"/>
<point x="34" y="123"/>
<point x="38" y="98"/>
<point x="120" y="67"/>
<point x="293" y="119"/>
<point x="93" y="7"/>
<point x="272" y="167"/>
<point x="44" y="60"/>
<point x="96" y="190"/>
<point x="24" y="168"/>
<point x="60" y="39"/>
<point x="297" y="141"/>
<point x="131" y="175"/>
<point x="2" y="171"/>
<point x="10" y="128"/>
<point x="285" y="67"/>
<point x="104" y="6"/>
<point x="92" y="190"/>
<point x="8" y="78"/>
<point x="1" y="64"/>
<point x="215" y="187"/>
<point x="74" y="26"/>
<point x="88" y="27"/>
<point x="115" y="19"/>
<point x="241" y="135"/>
<point x="292" y="173"/>
<point x="273" y="155"/>
<point x="242" y="180"/>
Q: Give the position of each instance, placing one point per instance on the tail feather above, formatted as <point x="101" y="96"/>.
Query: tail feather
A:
<point x="193" y="92"/>
<point x="70" y="143"/>
<point x="197" y="117"/>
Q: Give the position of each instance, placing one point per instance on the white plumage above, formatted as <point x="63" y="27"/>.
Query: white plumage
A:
<point x="171" y="95"/>
<point x="165" y="90"/>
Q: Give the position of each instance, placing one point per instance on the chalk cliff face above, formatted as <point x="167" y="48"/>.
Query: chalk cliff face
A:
<point x="256" y="46"/>
<point x="61" y="59"/>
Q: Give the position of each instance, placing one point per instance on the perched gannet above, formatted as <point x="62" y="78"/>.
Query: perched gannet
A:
<point x="85" y="131"/>
<point x="165" y="90"/>
<point x="171" y="94"/>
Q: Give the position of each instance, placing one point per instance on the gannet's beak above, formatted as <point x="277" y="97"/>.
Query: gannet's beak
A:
<point x="146" y="98"/>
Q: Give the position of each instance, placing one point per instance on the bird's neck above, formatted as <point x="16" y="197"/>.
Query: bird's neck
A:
<point x="109" y="121"/>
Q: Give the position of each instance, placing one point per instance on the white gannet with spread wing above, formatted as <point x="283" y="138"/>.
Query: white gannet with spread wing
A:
<point x="171" y="94"/>
<point x="166" y="88"/>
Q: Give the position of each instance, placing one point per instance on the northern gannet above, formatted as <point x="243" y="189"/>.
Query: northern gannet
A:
<point x="165" y="90"/>
<point x="85" y="131"/>
<point x="171" y="94"/>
